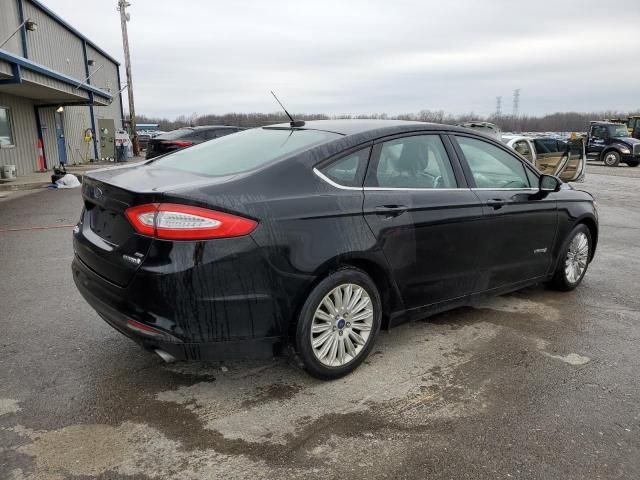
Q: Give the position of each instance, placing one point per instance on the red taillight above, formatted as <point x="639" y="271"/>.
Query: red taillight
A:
<point x="177" y="143"/>
<point x="171" y="221"/>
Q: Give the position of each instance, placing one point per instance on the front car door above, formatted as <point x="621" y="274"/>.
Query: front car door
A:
<point x="424" y="217"/>
<point x="597" y="141"/>
<point x="520" y="224"/>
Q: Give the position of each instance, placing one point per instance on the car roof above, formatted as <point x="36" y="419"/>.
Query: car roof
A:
<point x="600" y="122"/>
<point x="362" y="126"/>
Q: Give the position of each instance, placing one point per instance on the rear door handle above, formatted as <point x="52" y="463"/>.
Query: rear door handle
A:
<point x="496" y="203"/>
<point x="391" y="210"/>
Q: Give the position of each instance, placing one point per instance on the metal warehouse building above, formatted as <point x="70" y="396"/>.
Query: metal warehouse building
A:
<point x="55" y="85"/>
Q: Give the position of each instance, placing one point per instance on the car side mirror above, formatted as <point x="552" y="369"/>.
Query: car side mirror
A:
<point x="549" y="183"/>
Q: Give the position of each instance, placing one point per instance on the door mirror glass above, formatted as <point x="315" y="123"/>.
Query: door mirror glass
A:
<point x="549" y="183"/>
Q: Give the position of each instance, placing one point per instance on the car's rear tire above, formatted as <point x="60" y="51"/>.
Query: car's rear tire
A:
<point x="611" y="158"/>
<point x="338" y="323"/>
<point x="574" y="260"/>
<point x="633" y="163"/>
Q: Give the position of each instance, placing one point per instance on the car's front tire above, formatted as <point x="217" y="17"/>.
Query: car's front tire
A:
<point x="574" y="260"/>
<point x="611" y="158"/>
<point x="338" y="324"/>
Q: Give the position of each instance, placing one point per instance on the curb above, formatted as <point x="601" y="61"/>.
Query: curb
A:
<point x="14" y="187"/>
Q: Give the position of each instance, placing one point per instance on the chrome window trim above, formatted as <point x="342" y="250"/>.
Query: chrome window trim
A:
<point x="322" y="176"/>
<point x="530" y="189"/>
<point x="378" y="189"/>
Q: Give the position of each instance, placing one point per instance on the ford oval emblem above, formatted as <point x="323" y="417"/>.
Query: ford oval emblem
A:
<point x="97" y="193"/>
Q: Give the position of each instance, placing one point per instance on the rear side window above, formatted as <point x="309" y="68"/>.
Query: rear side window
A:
<point x="348" y="171"/>
<point x="491" y="166"/>
<point x="420" y="161"/>
<point x="221" y="132"/>
<point x="243" y="151"/>
<point x="175" y="134"/>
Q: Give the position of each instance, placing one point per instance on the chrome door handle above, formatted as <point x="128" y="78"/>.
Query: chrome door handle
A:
<point x="391" y="210"/>
<point x="496" y="203"/>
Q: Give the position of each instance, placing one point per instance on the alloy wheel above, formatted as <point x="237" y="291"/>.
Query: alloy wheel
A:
<point x="341" y="325"/>
<point x="577" y="257"/>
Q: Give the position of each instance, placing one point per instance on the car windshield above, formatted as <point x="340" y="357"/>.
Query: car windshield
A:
<point x="243" y="151"/>
<point x="618" y="131"/>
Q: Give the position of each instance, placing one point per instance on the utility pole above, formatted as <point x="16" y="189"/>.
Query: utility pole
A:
<point x="124" y="18"/>
<point x="516" y="102"/>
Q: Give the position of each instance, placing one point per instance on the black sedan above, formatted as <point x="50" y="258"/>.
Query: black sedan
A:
<point x="315" y="237"/>
<point x="185" y="137"/>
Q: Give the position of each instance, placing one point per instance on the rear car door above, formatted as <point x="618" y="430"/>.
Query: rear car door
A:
<point x="520" y="224"/>
<point x="424" y="217"/>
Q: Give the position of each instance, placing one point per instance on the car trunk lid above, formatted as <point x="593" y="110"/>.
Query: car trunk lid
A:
<point x="106" y="241"/>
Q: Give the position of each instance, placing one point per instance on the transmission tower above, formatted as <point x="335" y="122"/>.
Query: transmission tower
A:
<point x="498" y="106"/>
<point x="516" y="101"/>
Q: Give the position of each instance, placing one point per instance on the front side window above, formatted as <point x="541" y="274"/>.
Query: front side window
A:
<point x="243" y="151"/>
<point x="348" y="171"/>
<point x="420" y="161"/>
<point x="6" y="132"/>
<point x="598" y="132"/>
<point x="491" y="166"/>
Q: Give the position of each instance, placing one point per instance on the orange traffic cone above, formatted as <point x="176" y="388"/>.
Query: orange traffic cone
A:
<point x="40" y="155"/>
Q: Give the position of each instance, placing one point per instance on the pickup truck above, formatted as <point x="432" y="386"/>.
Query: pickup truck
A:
<point x="611" y="143"/>
<point x="565" y="159"/>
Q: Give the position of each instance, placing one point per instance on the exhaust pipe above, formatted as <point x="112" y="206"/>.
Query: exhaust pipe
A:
<point x="165" y="356"/>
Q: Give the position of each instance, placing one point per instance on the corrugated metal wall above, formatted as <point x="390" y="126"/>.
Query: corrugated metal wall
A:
<point x="106" y="79"/>
<point x="76" y="121"/>
<point x="9" y="21"/>
<point x="54" y="46"/>
<point x="25" y="133"/>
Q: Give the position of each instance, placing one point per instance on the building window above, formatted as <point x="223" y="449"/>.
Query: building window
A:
<point x="6" y="134"/>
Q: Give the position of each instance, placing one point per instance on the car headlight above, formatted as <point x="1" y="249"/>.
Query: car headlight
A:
<point x="625" y="150"/>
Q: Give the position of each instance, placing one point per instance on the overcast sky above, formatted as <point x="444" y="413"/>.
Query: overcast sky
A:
<point x="365" y="56"/>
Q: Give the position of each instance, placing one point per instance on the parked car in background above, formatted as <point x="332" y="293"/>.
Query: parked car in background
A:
<point x="143" y="140"/>
<point x="185" y="137"/>
<point x="487" y="128"/>
<point x="565" y="159"/>
<point x="315" y="236"/>
<point x="611" y="143"/>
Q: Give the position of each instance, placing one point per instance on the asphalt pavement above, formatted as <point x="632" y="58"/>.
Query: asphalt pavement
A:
<point x="533" y="385"/>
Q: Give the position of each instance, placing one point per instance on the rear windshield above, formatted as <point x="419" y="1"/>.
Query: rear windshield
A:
<point x="175" y="134"/>
<point x="243" y="151"/>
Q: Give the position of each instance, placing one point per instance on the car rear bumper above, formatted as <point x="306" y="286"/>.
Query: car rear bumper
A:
<point x="118" y="307"/>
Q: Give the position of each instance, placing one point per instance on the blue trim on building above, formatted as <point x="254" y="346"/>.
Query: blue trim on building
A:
<point x="72" y="30"/>
<point x="23" y="31"/>
<point x="17" y="76"/>
<point x="93" y="127"/>
<point x="93" y="122"/>
<point x="37" y="68"/>
<point x="39" y="127"/>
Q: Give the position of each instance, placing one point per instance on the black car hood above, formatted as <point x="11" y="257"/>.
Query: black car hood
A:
<point x="147" y="178"/>
<point x="627" y="140"/>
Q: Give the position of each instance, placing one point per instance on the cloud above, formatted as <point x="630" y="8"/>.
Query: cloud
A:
<point x="371" y="56"/>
